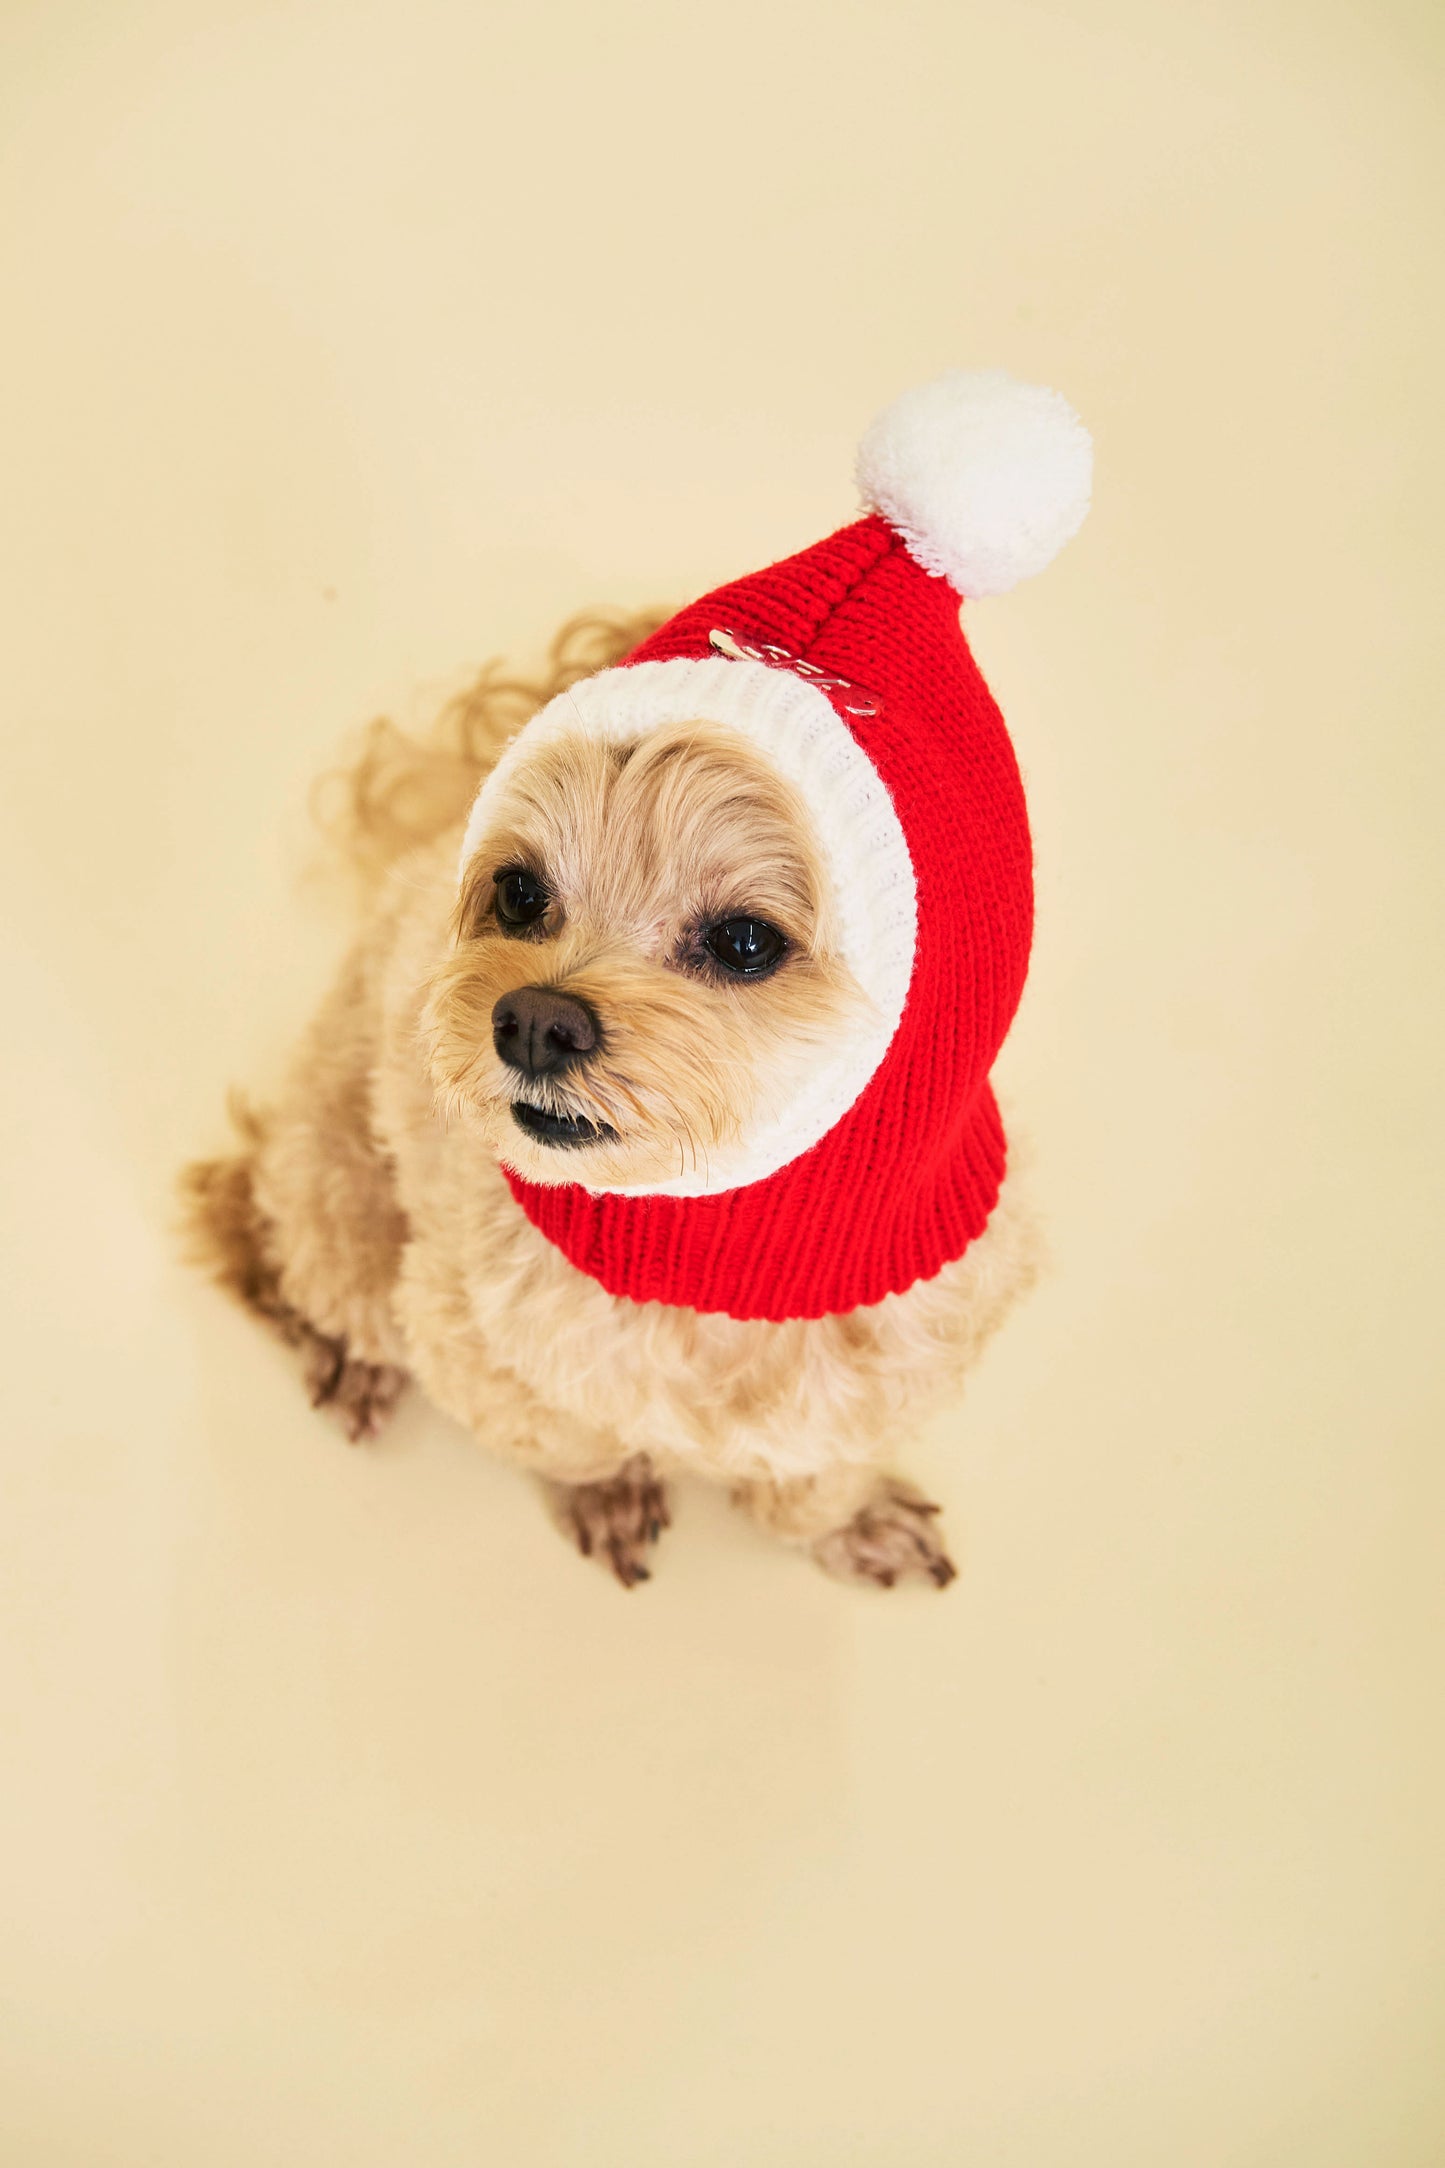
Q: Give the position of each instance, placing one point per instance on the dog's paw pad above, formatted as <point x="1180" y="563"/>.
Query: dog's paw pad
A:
<point x="617" y="1521"/>
<point x="361" y="1395"/>
<point x="894" y="1537"/>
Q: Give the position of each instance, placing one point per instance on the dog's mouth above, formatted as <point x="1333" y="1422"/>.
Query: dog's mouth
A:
<point x="563" y="1130"/>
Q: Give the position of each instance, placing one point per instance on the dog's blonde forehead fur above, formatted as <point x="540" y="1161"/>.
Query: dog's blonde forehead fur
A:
<point x="679" y="826"/>
<point x="641" y="846"/>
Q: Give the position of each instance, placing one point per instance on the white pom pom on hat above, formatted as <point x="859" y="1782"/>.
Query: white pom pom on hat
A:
<point x="984" y="478"/>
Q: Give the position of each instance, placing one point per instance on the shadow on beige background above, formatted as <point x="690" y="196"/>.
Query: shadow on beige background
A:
<point x="347" y="1818"/>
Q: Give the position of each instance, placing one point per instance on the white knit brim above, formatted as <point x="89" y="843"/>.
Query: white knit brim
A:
<point x="793" y="725"/>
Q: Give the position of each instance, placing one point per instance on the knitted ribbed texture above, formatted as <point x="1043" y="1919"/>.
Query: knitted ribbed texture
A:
<point x="908" y="1177"/>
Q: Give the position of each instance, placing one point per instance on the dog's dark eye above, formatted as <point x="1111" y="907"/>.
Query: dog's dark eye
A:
<point x="749" y="946"/>
<point x="521" y="898"/>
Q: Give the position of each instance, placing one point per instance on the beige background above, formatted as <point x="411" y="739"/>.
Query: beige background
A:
<point x="346" y="1818"/>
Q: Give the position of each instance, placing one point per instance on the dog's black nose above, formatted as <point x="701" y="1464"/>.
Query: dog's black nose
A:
<point x="539" y="1031"/>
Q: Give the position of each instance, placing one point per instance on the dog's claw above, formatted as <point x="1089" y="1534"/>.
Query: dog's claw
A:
<point x="890" y="1539"/>
<point x="617" y="1519"/>
<point x="361" y="1395"/>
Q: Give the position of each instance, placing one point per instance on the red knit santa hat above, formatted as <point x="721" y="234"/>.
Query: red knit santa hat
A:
<point x="846" y="666"/>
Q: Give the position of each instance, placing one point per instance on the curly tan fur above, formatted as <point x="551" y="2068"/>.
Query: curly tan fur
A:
<point x="397" y="791"/>
<point x="367" y="1215"/>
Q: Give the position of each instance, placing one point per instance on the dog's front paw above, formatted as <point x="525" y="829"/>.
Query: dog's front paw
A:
<point x="361" y="1395"/>
<point x="617" y="1521"/>
<point x="894" y="1537"/>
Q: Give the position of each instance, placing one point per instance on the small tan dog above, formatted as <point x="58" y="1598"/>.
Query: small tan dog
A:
<point x="564" y="1142"/>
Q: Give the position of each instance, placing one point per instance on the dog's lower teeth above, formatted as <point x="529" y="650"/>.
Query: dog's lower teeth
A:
<point x="557" y="1129"/>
